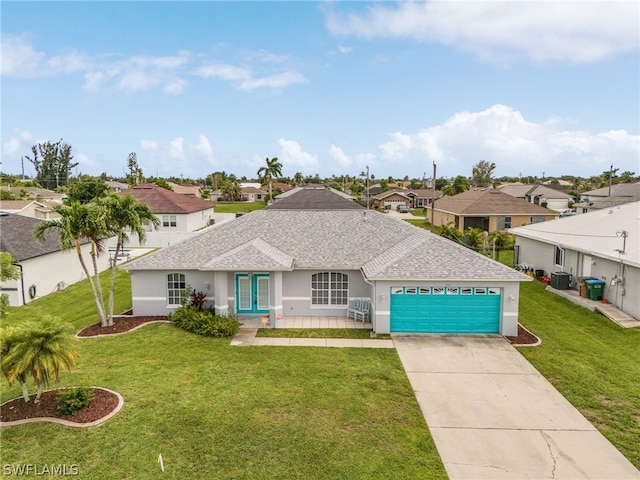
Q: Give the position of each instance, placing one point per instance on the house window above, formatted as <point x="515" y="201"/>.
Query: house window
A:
<point x="176" y="286"/>
<point x="329" y="288"/>
<point x="559" y="256"/>
<point x="504" y="223"/>
<point x="169" y="221"/>
<point x="537" y="219"/>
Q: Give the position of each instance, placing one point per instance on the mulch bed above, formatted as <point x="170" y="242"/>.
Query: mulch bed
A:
<point x="120" y="325"/>
<point x="523" y="337"/>
<point x="101" y="405"/>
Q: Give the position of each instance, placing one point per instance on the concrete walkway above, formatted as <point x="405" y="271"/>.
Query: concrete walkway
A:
<point x="493" y="416"/>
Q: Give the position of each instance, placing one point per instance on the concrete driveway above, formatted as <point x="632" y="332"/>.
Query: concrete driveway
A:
<point x="493" y="416"/>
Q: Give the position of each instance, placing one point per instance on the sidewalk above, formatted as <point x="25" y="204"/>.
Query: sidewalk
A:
<point x="246" y="337"/>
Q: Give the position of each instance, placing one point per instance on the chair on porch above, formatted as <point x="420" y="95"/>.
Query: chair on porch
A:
<point x="354" y="306"/>
<point x="363" y="312"/>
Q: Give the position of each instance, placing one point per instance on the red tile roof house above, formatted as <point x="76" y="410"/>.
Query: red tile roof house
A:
<point x="315" y="252"/>
<point x="180" y="215"/>
<point x="488" y="209"/>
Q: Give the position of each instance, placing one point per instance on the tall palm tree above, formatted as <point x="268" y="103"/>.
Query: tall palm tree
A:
<point x="38" y="349"/>
<point x="298" y="179"/>
<point x="125" y="215"/>
<point x="231" y="189"/>
<point x="268" y="172"/>
<point x="80" y="222"/>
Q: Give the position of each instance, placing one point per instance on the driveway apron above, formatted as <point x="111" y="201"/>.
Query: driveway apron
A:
<point x="493" y="416"/>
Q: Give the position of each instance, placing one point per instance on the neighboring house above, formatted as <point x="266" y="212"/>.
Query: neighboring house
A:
<point x="411" y="198"/>
<point x="189" y="190"/>
<point x="34" y="193"/>
<point x="247" y="194"/>
<point x="117" y="186"/>
<point x="488" y="209"/>
<point x="28" y="208"/>
<point x="390" y="200"/>
<point x="549" y="197"/>
<point x="294" y="258"/>
<point x="600" y="198"/>
<point x="604" y="244"/>
<point x="283" y="187"/>
<point x="421" y="197"/>
<point x="179" y="215"/>
<point x="45" y="267"/>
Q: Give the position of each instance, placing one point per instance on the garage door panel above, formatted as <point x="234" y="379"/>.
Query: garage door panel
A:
<point x="445" y="310"/>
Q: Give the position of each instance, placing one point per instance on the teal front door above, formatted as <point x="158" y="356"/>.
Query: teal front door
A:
<point x="252" y="293"/>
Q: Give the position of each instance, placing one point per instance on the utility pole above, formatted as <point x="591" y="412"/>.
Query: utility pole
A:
<point x="610" y="176"/>
<point x="433" y="196"/>
<point x="368" y="193"/>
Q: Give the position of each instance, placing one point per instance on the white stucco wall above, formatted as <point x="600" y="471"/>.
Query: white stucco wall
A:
<point x="50" y="273"/>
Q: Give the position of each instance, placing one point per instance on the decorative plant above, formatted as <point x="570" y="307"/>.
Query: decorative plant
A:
<point x="197" y="300"/>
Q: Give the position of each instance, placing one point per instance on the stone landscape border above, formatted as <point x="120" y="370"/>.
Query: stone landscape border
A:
<point x="67" y="423"/>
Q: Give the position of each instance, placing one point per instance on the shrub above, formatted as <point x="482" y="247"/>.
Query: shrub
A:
<point x="205" y="322"/>
<point x="72" y="400"/>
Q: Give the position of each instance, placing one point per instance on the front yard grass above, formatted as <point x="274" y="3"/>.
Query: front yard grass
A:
<point x="237" y="207"/>
<point x="592" y="361"/>
<point x="216" y="411"/>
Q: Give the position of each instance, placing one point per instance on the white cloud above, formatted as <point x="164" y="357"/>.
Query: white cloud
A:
<point x="18" y="58"/>
<point x="84" y="160"/>
<point x="203" y="148"/>
<point x="344" y="49"/>
<point x="149" y="144"/>
<point x="176" y="148"/>
<point x="20" y="141"/>
<point x="500" y="31"/>
<point x="502" y="135"/>
<point x="292" y="156"/>
<point x="279" y="80"/>
<point x="224" y="72"/>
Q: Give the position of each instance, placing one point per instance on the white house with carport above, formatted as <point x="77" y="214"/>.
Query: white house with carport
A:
<point x="314" y="252"/>
<point x="45" y="267"/>
<point x="603" y="244"/>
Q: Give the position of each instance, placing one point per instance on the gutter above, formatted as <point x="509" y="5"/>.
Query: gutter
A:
<point x="24" y="300"/>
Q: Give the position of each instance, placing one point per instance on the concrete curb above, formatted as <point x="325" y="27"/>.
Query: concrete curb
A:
<point x="67" y="423"/>
<point x="539" y="342"/>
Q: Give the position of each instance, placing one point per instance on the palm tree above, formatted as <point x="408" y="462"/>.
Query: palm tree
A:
<point x="80" y="222"/>
<point x="271" y="170"/>
<point x="125" y="214"/>
<point x="457" y="185"/>
<point x="298" y="179"/>
<point x="231" y="189"/>
<point x="38" y="349"/>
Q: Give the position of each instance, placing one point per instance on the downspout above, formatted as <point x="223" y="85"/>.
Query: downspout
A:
<point x="24" y="300"/>
<point x="374" y="303"/>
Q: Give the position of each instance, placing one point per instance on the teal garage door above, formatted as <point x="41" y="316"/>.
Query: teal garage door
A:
<point x="445" y="309"/>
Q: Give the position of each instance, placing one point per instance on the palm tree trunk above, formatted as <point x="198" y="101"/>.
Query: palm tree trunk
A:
<point x="99" y="304"/>
<point x="39" y="392"/>
<point x="23" y="386"/>
<point x="112" y="285"/>
<point x="94" y="259"/>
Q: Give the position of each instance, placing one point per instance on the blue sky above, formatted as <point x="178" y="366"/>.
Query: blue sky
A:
<point x="327" y="87"/>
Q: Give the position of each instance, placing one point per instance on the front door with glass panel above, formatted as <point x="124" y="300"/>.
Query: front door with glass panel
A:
<point x="252" y="293"/>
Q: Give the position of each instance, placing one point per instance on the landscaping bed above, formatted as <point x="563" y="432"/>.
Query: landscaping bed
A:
<point x="102" y="404"/>
<point x="524" y="337"/>
<point x="120" y="325"/>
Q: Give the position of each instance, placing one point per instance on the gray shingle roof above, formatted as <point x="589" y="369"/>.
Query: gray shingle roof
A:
<point x="16" y="237"/>
<point x="383" y="247"/>
<point x="314" y="198"/>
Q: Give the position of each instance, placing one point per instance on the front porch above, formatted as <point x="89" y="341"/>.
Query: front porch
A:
<point x="305" y="322"/>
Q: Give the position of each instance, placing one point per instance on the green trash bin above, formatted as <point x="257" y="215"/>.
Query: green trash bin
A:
<point x="595" y="288"/>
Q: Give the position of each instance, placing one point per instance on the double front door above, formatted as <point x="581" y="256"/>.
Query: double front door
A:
<point x="252" y="292"/>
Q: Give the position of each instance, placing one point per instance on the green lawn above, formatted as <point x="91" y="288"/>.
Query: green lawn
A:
<point x="237" y="207"/>
<point x="592" y="361"/>
<point x="216" y="411"/>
